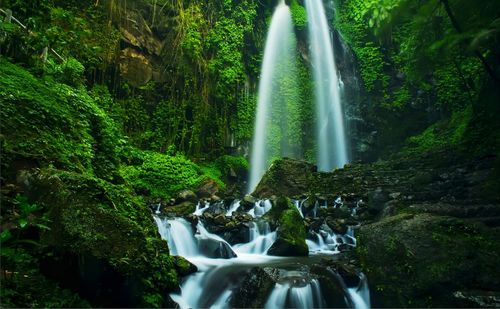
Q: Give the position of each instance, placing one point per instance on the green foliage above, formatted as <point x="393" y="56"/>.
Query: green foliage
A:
<point x="163" y="176"/>
<point x="292" y="228"/>
<point x="442" y="135"/>
<point x="55" y="124"/>
<point x="299" y="15"/>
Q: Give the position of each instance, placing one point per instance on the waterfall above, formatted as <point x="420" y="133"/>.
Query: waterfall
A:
<point x="286" y="295"/>
<point x="331" y="140"/>
<point x="274" y="88"/>
<point x="182" y="241"/>
<point x="222" y="266"/>
<point x="234" y="206"/>
<point x="260" y="239"/>
<point x="201" y="209"/>
<point x="260" y="208"/>
<point x="360" y="295"/>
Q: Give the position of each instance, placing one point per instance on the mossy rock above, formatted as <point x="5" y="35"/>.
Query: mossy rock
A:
<point x="183" y="266"/>
<point x="106" y="238"/>
<point x="291" y="234"/>
<point x="285" y="177"/>
<point x="421" y="260"/>
<point x="182" y="210"/>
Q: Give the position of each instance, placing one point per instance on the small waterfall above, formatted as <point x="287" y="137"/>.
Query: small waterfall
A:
<point x="261" y="238"/>
<point x="201" y="209"/>
<point x="260" y="208"/>
<point x="182" y="241"/>
<point x="286" y="295"/>
<point x="331" y="140"/>
<point x="276" y="74"/>
<point x="299" y="205"/>
<point x="329" y="242"/>
<point x="234" y="206"/>
<point x="360" y="295"/>
<point x="221" y="265"/>
<point x="357" y="297"/>
<point x="278" y="296"/>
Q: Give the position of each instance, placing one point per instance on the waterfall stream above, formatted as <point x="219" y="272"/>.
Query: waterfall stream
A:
<point x="331" y="140"/>
<point x="277" y="69"/>
<point x="221" y="265"/>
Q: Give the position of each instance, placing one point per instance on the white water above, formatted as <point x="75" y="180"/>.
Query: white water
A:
<point x="284" y="294"/>
<point x="181" y="242"/>
<point x="212" y="286"/>
<point x="261" y="238"/>
<point x="234" y="206"/>
<point x="331" y="141"/>
<point x="201" y="209"/>
<point x="260" y="208"/>
<point x="360" y="295"/>
<point x="276" y="66"/>
<point x="329" y="242"/>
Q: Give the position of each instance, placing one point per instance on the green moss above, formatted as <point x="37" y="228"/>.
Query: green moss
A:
<point x="434" y="251"/>
<point x="299" y="15"/>
<point x="447" y="133"/>
<point x="54" y="124"/>
<point x="163" y="176"/>
<point x="292" y="228"/>
<point x="98" y="220"/>
<point x="291" y="234"/>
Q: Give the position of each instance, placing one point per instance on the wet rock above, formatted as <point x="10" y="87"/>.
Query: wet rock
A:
<point x="186" y="196"/>
<point x="135" y="67"/>
<point x="217" y="208"/>
<point x="135" y="31"/>
<point x="291" y="233"/>
<point x="220" y="219"/>
<point x="435" y="251"/>
<point x="458" y="210"/>
<point x="181" y="210"/>
<point x="339" y="226"/>
<point x="477" y="299"/>
<point x="207" y="189"/>
<point x="247" y="203"/>
<point x="254" y="289"/>
<point x="286" y="177"/>
<point x="237" y="234"/>
<point x="395" y="195"/>
<point x="215" y="249"/>
<point x="183" y="266"/>
<point x="377" y="199"/>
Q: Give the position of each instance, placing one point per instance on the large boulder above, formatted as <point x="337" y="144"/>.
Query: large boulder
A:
<point x="423" y="260"/>
<point x="135" y="67"/>
<point x="254" y="289"/>
<point x="291" y="233"/>
<point x="286" y="177"/>
<point x="136" y="32"/>
<point x="215" y="249"/>
<point x="103" y="242"/>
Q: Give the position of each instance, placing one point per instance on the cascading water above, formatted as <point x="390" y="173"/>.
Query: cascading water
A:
<point x="277" y="69"/>
<point x="261" y="239"/>
<point x="331" y="140"/>
<point x="286" y="295"/>
<point x="221" y="266"/>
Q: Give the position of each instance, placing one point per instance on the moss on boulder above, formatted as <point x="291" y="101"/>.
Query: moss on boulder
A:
<point x="291" y="234"/>
<point x="105" y="238"/>
<point x="421" y="260"/>
<point x="285" y="177"/>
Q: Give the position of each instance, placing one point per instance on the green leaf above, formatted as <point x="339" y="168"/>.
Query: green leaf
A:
<point x="23" y="222"/>
<point x="5" y="235"/>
